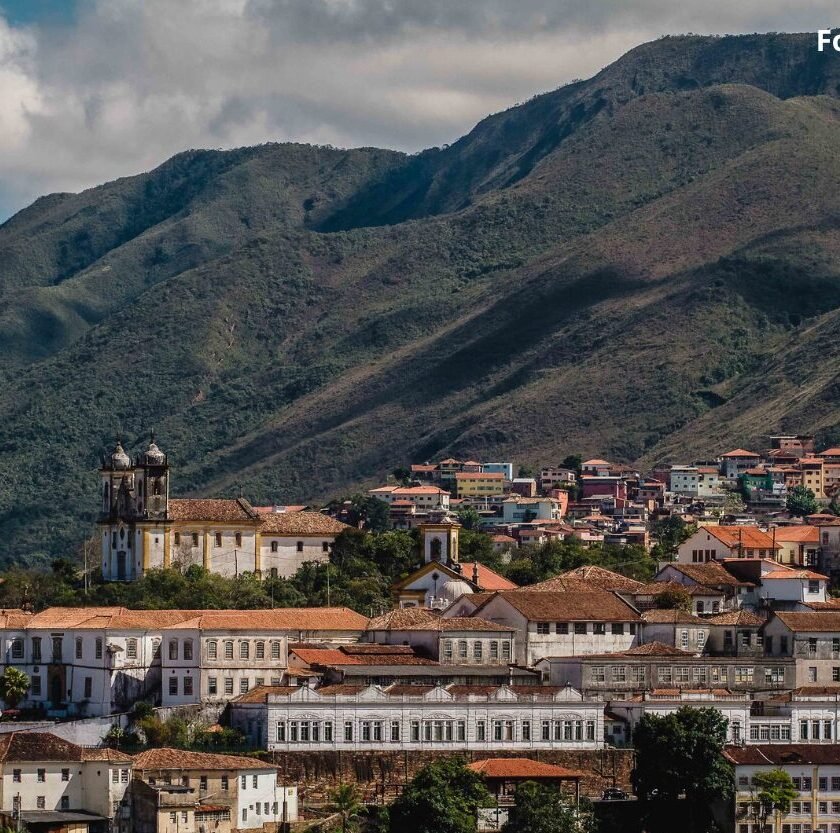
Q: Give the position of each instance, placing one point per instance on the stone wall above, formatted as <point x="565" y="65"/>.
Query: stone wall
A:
<point x="383" y="774"/>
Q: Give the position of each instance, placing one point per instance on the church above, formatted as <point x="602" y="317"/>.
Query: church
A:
<point x="142" y="528"/>
<point x="443" y="578"/>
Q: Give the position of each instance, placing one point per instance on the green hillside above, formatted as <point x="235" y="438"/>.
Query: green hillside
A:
<point x="643" y="265"/>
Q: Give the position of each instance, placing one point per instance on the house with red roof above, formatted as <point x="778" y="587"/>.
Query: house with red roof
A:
<point x="714" y="543"/>
<point x="734" y="463"/>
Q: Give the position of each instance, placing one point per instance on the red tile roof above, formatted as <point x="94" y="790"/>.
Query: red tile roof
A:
<point x="592" y="606"/>
<point x="740" y="452"/>
<point x="805" y="534"/>
<point x="206" y="509"/>
<point x="487" y="579"/>
<point x="523" y="768"/>
<point x="744" y="618"/>
<point x="783" y="753"/>
<point x="300" y="523"/>
<point x="277" y="619"/>
<point x="167" y="758"/>
<point x="588" y="577"/>
<point x="813" y="621"/>
<point x="748" y="537"/>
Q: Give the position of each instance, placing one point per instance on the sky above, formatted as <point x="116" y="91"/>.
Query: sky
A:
<point x="91" y="90"/>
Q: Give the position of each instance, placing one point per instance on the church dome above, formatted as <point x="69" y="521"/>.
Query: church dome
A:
<point x="119" y="459"/>
<point x="153" y="455"/>
<point x="454" y="588"/>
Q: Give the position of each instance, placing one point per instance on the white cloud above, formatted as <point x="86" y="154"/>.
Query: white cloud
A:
<point x="130" y="82"/>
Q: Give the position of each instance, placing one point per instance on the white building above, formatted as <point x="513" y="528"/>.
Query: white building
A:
<point x="428" y="498"/>
<point x="563" y="623"/>
<point x="415" y="718"/>
<point x="219" y="654"/>
<point x="44" y="774"/>
<point x="815" y="770"/>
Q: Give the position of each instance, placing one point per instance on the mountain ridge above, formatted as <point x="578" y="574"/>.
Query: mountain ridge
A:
<point x="288" y="335"/>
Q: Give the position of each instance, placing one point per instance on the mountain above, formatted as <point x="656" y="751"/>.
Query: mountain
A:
<point x="643" y="266"/>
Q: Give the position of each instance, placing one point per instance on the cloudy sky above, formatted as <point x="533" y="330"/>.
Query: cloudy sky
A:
<point x="95" y="89"/>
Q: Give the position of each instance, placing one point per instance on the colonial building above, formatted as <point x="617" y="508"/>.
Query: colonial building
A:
<point x="415" y="718"/>
<point x="142" y="528"/>
<point x="50" y="784"/>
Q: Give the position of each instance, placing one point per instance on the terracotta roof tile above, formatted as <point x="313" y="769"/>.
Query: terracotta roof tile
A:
<point x="300" y="523"/>
<point x="797" y="534"/>
<point x="783" y="753"/>
<point x="814" y="621"/>
<point x="710" y="574"/>
<point x="212" y="509"/>
<point x="671" y="617"/>
<point x="277" y="619"/>
<point x="487" y="579"/>
<point x="260" y="693"/>
<point x="167" y="758"/>
<point x="588" y="577"/>
<point x="459" y="623"/>
<point x="571" y="606"/>
<point x="396" y="620"/>
<point x="740" y="452"/>
<point x="744" y="618"/>
<point x="523" y="768"/>
<point x="749" y="537"/>
<point x="656" y="649"/>
<point x="37" y="746"/>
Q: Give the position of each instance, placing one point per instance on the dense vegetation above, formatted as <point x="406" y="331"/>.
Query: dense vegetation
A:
<point x="362" y="569"/>
<point x="639" y="266"/>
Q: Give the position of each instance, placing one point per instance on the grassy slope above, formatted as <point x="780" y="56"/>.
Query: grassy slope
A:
<point x="628" y="295"/>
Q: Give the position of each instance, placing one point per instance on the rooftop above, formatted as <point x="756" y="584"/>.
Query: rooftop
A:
<point x="207" y="509"/>
<point x="523" y="768"/>
<point x="167" y="758"/>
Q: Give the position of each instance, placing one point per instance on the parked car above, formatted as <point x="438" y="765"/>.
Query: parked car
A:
<point x="614" y="794"/>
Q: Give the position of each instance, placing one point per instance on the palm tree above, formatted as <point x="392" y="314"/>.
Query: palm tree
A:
<point x="344" y="799"/>
<point x="14" y="685"/>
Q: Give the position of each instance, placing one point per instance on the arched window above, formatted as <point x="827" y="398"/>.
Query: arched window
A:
<point x="173" y="649"/>
<point x="244" y="650"/>
<point x="275" y="650"/>
<point x="228" y="650"/>
<point x="212" y="649"/>
<point x="259" y="650"/>
<point x="238" y="537"/>
<point x="188" y="649"/>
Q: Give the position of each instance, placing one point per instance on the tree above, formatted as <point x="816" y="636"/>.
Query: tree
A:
<point x="801" y="501"/>
<point x="468" y="517"/>
<point x="674" y="598"/>
<point x="774" y="791"/>
<point x="14" y="685"/>
<point x="682" y="753"/>
<point x="669" y="533"/>
<point x="443" y="797"/>
<point x="573" y="461"/>
<point x="344" y="799"/>
<point x="539" y="808"/>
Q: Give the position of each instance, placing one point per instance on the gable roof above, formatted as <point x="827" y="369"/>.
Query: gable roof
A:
<point x="277" y="619"/>
<point x="212" y="509"/>
<point x="96" y="618"/>
<point x="401" y="617"/>
<point x="587" y="577"/>
<point x="167" y="758"/>
<point x="744" y="618"/>
<point x="749" y="537"/>
<point x="300" y="523"/>
<point x="671" y="616"/>
<point x="487" y="579"/>
<point x="783" y="753"/>
<point x="740" y="452"/>
<point x="813" y="621"/>
<point x="709" y="574"/>
<point x="800" y="533"/>
<point x="522" y="768"/>
<point x="37" y="746"/>
<point x="574" y="606"/>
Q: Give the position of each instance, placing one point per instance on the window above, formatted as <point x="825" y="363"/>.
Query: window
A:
<point x="188" y="649"/>
<point x="224" y="783"/>
<point x="684" y="640"/>
<point x="618" y="673"/>
<point x="480" y="730"/>
<point x="244" y="650"/>
<point x="228" y="650"/>
<point x="238" y="538"/>
<point x="543" y="627"/>
<point x="41" y="776"/>
<point x="41" y="802"/>
<point x="743" y="674"/>
<point x="212" y="649"/>
<point x="243" y="782"/>
<point x="259" y="650"/>
<point x="580" y="627"/>
<point x="462" y="649"/>
<point x="212" y="685"/>
<point x="494" y="649"/>
<point x="598" y="674"/>
<point x="506" y="651"/>
<point x="65" y="774"/>
<point x="188" y="685"/>
<point x="478" y="650"/>
<point x="244" y="814"/>
<point x="131" y="648"/>
<point x="16" y="776"/>
<point x="35" y="685"/>
<point x="36" y="649"/>
<point x="701" y="639"/>
<point x="195" y="539"/>
<point x="124" y="776"/>
<point x="228" y="685"/>
<point x="395" y="731"/>
<point x="88" y="688"/>
<point x="115" y="776"/>
<point x="173" y="649"/>
<point x="177" y="537"/>
<point x="348" y="731"/>
<point x="562" y="627"/>
<point x="254" y="781"/>
<point x="173" y="685"/>
<point x="325" y="546"/>
<point x="300" y="546"/>
<point x="79" y="648"/>
<point x="599" y="628"/>
<point x="218" y="539"/>
<point x="243" y="685"/>
<point x="98" y="648"/>
<point x="618" y="628"/>
<point x="274" y="546"/>
<point x="275" y="650"/>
